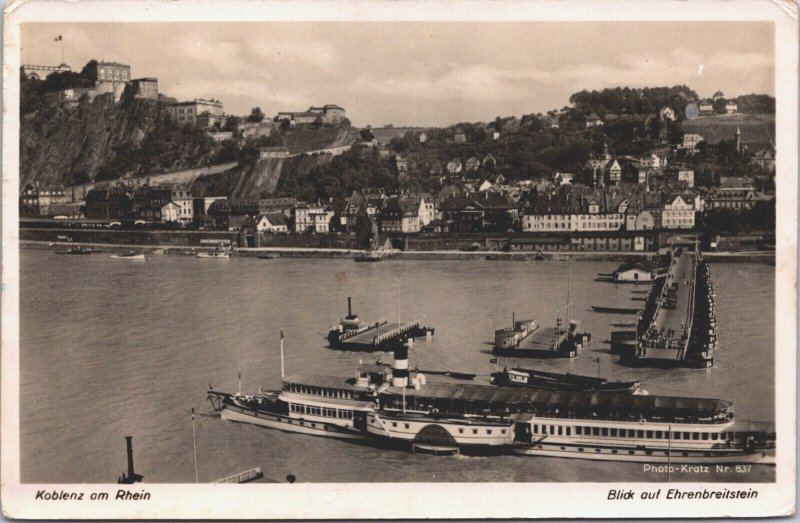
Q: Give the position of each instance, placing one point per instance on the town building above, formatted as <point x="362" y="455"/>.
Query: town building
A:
<point x="109" y="77"/>
<point x="679" y="213"/>
<point x="284" y="206"/>
<point x="634" y="272"/>
<point x="454" y="166"/>
<point x="423" y="138"/>
<point x="734" y="198"/>
<point x="106" y="202"/>
<point x="706" y="108"/>
<point x="188" y="113"/>
<point x="472" y="164"/>
<point x="221" y="136"/>
<point x="593" y="121"/>
<point x="36" y="200"/>
<point x="314" y="218"/>
<point x="459" y="136"/>
<point x="765" y="159"/>
<point x="201" y="205"/>
<point x="330" y="114"/>
<point x="400" y="215"/>
<point x="183" y="198"/>
<point x="690" y="142"/>
<point x="276" y="222"/>
<point x="247" y="130"/>
<point x="40" y="72"/>
<point x="731" y="107"/>
<point x="170" y="212"/>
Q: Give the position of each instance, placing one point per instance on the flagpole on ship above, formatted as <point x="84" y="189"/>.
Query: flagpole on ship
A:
<point x="283" y="373"/>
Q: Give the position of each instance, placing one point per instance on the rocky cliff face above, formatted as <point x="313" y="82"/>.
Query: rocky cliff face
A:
<point x="259" y="179"/>
<point x="102" y="140"/>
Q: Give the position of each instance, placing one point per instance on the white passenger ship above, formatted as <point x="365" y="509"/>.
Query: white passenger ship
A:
<point x="392" y="407"/>
<point x="314" y="405"/>
<point x="615" y="426"/>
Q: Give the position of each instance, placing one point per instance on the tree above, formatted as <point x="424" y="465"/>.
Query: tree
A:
<point x="256" y="115"/>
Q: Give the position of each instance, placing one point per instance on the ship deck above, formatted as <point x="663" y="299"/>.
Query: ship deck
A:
<point x="366" y="337"/>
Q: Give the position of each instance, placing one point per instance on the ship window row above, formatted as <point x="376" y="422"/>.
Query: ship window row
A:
<point x="488" y="431"/>
<point x="320" y="411"/>
<point x="320" y="391"/>
<point x="648" y="434"/>
<point x="553" y="430"/>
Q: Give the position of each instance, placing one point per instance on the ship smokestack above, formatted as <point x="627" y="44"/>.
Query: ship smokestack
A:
<point x="349" y="307"/>
<point x="400" y="367"/>
<point x="129" y="444"/>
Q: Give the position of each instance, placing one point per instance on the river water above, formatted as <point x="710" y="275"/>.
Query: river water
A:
<point x="114" y="347"/>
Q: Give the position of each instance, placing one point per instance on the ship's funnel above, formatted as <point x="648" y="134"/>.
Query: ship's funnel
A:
<point x="129" y="444"/>
<point x="400" y="367"/>
<point x="349" y="307"/>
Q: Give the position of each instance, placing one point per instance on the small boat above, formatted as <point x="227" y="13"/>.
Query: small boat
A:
<point x="266" y="257"/>
<point x="534" y="379"/>
<point x="624" y="324"/>
<point x="614" y="310"/>
<point x="130" y="256"/>
<point x="369" y="256"/>
<point x="216" y="254"/>
<point x="539" y="256"/>
<point x="77" y="250"/>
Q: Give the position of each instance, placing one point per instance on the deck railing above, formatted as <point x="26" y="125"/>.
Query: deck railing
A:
<point x="242" y="477"/>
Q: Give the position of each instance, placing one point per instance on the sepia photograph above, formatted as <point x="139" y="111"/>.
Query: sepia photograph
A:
<point x="351" y="253"/>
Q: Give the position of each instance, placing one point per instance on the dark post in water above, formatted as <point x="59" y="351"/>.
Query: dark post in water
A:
<point x="131" y="477"/>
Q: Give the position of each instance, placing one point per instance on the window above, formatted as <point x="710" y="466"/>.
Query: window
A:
<point x="605" y="431"/>
<point x="659" y="434"/>
<point x="649" y="434"/>
<point x="685" y="435"/>
<point x="559" y="430"/>
<point x="569" y="431"/>
<point x="503" y="431"/>
<point x="595" y="431"/>
<point x="695" y="435"/>
<point x="705" y="436"/>
<point x="613" y="432"/>
<point x="394" y="424"/>
<point x="578" y="430"/>
<point x="714" y="436"/>
<point x="488" y="431"/>
<point x="639" y="433"/>
<point x="474" y="431"/>
<point x="552" y="430"/>
<point x="536" y="429"/>
<point x="407" y="426"/>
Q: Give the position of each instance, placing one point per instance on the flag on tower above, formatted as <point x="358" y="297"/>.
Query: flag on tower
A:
<point x="281" y="333"/>
<point x="58" y="38"/>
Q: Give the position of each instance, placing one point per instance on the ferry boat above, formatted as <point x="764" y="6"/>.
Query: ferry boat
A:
<point x="612" y="426"/>
<point x="528" y="340"/>
<point x="353" y="334"/>
<point x="313" y="405"/>
<point x="536" y="379"/>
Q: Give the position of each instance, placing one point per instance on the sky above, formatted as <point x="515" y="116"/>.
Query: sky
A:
<point x="416" y="73"/>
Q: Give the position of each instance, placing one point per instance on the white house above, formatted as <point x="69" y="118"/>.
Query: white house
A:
<point x="170" y="212"/>
<point x="679" y="214"/>
<point x="312" y="217"/>
<point x="272" y="223"/>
